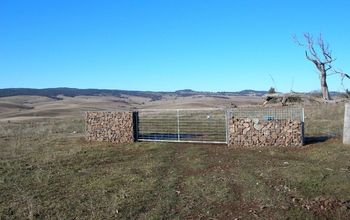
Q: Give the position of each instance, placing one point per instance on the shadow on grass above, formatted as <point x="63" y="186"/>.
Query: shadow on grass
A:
<point x="316" y="139"/>
<point x="167" y="136"/>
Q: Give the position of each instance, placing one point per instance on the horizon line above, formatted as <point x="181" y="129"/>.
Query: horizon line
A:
<point x="160" y="91"/>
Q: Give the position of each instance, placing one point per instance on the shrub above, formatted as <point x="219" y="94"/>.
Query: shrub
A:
<point x="271" y="90"/>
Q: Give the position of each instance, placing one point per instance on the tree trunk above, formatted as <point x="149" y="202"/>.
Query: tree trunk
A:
<point x="324" y="86"/>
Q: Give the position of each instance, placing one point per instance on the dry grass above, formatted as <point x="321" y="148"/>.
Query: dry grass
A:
<point x="47" y="170"/>
<point x="323" y="119"/>
<point x="29" y="107"/>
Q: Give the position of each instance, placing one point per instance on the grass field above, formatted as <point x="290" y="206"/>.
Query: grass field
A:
<point x="48" y="170"/>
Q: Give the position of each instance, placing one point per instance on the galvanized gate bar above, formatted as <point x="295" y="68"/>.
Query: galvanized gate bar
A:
<point x="183" y="125"/>
<point x="178" y="125"/>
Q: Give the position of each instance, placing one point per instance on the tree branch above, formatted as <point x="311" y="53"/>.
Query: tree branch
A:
<point x="296" y="41"/>
<point x="310" y="46"/>
<point x="328" y="68"/>
<point x="325" y="50"/>
<point x="343" y="75"/>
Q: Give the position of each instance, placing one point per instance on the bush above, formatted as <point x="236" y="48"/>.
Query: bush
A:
<point x="271" y="90"/>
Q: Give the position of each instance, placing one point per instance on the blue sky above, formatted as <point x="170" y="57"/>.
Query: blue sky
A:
<point x="166" y="45"/>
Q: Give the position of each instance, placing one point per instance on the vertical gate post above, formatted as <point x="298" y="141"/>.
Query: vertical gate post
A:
<point x="346" y="131"/>
<point x="178" y="124"/>
<point x="302" y="126"/>
<point x="227" y="125"/>
<point x="135" y="118"/>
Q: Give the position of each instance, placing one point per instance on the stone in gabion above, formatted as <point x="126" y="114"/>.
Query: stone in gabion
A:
<point x="254" y="133"/>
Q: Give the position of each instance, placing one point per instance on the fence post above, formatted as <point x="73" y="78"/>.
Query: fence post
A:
<point x="178" y="125"/>
<point x="302" y="126"/>
<point x="227" y="125"/>
<point x="346" y="131"/>
<point x="135" y="118"/>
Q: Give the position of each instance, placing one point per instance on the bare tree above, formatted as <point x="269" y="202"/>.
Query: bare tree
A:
<point x="320" y="55"/>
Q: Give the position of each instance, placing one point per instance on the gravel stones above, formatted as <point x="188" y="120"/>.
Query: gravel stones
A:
<point x="114" y="127"/>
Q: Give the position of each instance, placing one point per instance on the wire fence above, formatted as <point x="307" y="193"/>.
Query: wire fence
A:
<point x="211" y="125"/>
<point x="324" y="120"/>
<point x="268" y="114"/>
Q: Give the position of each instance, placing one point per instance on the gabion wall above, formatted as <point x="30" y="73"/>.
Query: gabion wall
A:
<point x="114" y="127"/>
<point x="255" y="133"/>
<point x="248" y="128"/>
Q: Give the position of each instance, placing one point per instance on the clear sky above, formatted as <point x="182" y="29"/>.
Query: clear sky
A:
<point x="167" y="45"/>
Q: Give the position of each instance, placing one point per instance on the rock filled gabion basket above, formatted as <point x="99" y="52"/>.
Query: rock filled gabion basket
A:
<point x="252" y="133"/>
<point x="114" y="127"/>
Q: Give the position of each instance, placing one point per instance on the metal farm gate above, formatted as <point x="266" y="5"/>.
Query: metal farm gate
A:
<point x="182" y="125"/>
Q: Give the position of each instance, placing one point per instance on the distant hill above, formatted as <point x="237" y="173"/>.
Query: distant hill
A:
<point x="72" y="92"/>
<point x="247" y="92"/>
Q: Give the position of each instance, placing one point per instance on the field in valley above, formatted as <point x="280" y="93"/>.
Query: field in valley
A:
<point x="48" y="170"/>
<point x="29" y="107"/>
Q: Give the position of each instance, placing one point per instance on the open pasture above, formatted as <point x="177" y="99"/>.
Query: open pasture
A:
<point x="48" y="170"/>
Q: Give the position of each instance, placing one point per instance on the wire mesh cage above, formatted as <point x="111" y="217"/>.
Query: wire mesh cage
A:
<point x="268" y="114"/>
